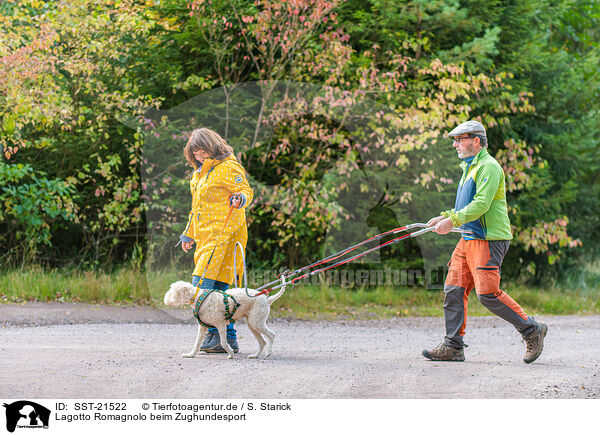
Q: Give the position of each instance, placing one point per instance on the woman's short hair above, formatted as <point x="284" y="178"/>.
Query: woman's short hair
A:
<point x="204" y="139"/>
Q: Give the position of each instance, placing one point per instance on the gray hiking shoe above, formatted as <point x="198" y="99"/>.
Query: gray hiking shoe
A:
<point x="212" y="343"/>
<point x="443" y="352"/>
<point x="535" y="343"/>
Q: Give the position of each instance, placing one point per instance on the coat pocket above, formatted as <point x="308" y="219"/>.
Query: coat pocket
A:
<point x="487" y="279"/>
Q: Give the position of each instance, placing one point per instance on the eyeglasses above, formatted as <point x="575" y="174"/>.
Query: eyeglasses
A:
<point x="458" y="139"/>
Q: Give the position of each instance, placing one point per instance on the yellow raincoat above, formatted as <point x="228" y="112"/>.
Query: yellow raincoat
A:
<point x="212" y="185"/>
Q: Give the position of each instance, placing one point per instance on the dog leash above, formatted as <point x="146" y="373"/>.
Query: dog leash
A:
<point x="281" y="276"/>
<point x="267" y="288"/>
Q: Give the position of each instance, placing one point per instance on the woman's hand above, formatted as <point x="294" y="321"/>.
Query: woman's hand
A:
<point x="235" y="200"/>
<point x="186" y="246"/>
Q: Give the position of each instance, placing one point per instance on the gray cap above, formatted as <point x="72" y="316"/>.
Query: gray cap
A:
<point x="470" y="127"/>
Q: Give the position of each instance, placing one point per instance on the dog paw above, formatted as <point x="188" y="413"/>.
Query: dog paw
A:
<point x="253" y="356"/>
<point x="187" y="355"/>
<point x="268" y="355"/>
<point x="230" y="356"/>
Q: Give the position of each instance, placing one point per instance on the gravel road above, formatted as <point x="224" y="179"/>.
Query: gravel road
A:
<point x="87" y="351"/>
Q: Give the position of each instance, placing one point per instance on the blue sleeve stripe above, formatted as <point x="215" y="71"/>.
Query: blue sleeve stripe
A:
<point x="188" y="224"/>
<point x="186" y="239"/>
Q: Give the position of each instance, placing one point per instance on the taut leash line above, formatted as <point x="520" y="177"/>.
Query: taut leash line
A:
<point x="269" y="287"/>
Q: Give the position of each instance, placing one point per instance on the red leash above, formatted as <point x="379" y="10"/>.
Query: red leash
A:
<point x="270" y="287"/>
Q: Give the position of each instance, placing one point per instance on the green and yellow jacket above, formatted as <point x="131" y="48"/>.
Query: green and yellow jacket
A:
<point x="481" y="200"/>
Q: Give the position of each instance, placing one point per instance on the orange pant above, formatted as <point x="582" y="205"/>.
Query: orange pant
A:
<point x="476" y="264"/>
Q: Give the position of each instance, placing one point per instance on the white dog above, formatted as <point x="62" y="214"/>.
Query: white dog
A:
<point x="212" y="311"/>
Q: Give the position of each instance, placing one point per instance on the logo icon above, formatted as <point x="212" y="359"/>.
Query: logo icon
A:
<point x="25" y="414"/>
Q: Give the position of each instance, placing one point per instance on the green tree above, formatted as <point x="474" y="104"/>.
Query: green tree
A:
<point x="70" y="71"/>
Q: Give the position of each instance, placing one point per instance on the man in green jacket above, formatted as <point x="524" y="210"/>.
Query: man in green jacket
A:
<point x="475" y="263"/>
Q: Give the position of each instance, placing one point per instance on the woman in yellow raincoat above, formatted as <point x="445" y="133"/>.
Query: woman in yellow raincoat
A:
<point x="218" y="183"/>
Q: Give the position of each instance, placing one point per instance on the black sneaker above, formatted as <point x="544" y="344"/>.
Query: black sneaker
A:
<point x="535" y="343"/>
<point x="232" y="341"/>
<point x="443" y="352"/>
<point x="212" y="343"/>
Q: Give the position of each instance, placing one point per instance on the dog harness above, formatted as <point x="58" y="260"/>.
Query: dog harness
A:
<point x="202" y="298"/>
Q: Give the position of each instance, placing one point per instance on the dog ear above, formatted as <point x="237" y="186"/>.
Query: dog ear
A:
<point x="189" y="289"/>
<point x="172" y="296"/>
<point x="179" y="293"/>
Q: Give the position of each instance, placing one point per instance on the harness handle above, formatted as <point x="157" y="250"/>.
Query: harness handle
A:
<point x="244" y="272"/>
<point x="267" y="291"/>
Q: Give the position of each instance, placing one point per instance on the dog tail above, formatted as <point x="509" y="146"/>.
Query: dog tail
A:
<point x="276" y="296"/>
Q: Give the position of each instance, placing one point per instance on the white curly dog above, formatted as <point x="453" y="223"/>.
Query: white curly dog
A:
<point x="212" y="311"/>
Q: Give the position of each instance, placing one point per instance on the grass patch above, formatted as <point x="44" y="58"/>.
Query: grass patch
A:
<point x="131" y="286"/>
<point x="311" y="302"/>
<point x="127" y="286"/>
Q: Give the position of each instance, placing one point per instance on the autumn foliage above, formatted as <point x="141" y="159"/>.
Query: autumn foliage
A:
<point x="330" y="106"/>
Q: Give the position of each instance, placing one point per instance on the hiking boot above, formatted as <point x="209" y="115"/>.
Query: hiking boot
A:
<point x="443" y="352"/>
<point x="212" y="343"/>
<point x="535" y="343"/>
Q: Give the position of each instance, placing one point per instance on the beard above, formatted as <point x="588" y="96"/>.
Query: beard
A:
<point x="469" y="150"/>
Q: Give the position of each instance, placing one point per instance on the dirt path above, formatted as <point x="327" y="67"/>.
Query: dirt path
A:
<point x="111" y="352"/>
